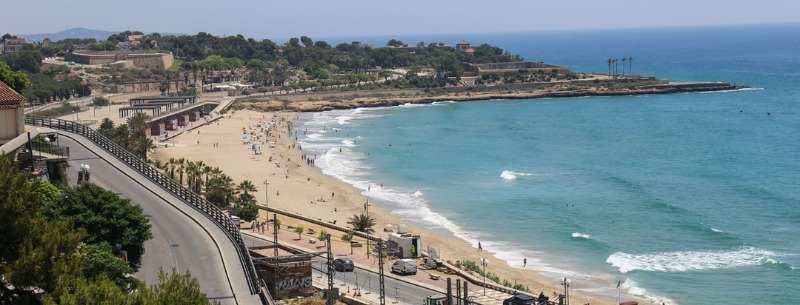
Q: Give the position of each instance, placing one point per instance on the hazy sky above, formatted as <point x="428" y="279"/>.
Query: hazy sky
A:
<point x="335" y="18"/>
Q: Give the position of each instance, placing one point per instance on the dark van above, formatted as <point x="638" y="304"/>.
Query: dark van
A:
<point x="520" y="299"/>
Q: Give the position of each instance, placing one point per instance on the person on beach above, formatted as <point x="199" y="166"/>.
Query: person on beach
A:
<point x="524" y="262"/>
<point x="479" y="246"/>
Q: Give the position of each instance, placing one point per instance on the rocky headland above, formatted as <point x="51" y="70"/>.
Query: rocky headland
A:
<point x="330" y="100"/>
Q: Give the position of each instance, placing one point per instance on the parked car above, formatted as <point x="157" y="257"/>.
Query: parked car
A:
<point x="520" y="299"/>
<point x="343" y="264"/>
<point x="405" y="266"/>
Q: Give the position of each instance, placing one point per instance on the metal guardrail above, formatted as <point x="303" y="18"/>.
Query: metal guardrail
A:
<point x="320" y="223"/>
<point x="52" y="149"/>
<point x="192" y="199"/>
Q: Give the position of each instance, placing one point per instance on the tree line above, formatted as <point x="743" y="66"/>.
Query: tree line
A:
<point x="62" y="245"/>
<point x="613" y="65"/>
<point x="35" y="83"/>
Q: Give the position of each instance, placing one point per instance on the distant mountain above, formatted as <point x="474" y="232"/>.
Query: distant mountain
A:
<point x="79" y="33"/>
<point x="70" y="33"/>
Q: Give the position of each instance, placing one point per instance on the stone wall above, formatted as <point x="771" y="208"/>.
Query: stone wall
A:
<point x="530" y="66"/>
<point x="141" y="59"/>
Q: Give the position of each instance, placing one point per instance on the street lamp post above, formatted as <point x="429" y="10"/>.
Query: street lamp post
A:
<point x="484" y="262"/>
<point x="366" y="208"/>
<point x="266" y="195"/>
<point x="46" y="141"/>
<point x="566" y="282"/>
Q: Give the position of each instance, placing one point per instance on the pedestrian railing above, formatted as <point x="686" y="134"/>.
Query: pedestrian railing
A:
<point x="192" y="199"/>
<point x="51" y="149"/>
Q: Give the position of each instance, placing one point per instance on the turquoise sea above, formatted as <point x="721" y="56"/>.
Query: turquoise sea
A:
<point x="684" y="198"/>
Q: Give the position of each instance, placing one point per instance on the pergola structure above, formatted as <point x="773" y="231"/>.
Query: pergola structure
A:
<point x="155" y="104"/>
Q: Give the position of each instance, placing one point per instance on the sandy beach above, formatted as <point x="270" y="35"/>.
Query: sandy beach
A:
<point x="296" y="186"/>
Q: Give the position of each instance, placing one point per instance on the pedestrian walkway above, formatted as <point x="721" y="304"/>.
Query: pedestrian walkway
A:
<point x="430" y="279"/>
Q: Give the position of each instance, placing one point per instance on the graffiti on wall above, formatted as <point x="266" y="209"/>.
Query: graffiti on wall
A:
<point x="295" y="283"/>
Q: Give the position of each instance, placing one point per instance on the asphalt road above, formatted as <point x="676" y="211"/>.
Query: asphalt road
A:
<point x="178" y="241"/>
<point x="397" y="292"/>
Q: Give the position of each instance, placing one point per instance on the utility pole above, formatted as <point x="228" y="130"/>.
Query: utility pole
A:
<point x="381" y="286"/>
<point x="331" y="300"/>
<point x="275" y="232"/>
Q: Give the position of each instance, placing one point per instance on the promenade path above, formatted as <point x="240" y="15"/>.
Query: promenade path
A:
<point x="340" y="248"/>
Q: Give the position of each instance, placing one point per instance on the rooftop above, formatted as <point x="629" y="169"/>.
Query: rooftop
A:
<point x="9" y="97"/>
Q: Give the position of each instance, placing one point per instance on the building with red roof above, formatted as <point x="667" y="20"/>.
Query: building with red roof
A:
<point x="462" y="46"/>
<point x="11" y="45"/>
<point x="12" y="105"/>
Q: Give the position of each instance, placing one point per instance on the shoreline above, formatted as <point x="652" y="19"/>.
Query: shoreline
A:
<point x="297" y="187"/>
<point x="305" y="190"/>
<point x="316" y="102"/>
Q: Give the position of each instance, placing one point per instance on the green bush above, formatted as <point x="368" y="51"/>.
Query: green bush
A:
<point x="246" y="211"/>
<point x="100" y="101"/>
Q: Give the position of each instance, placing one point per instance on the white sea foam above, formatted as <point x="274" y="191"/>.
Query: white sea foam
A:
<point x="509" y="175"/>
<point x="581" y="235"/>
<point x="632" y="287"/>
<point x="348" y="143"/>
<point x="681" y="261"/>
<point x="412" y="105"/>
<point x="716" y="230"/>
<point x="732" y="90"/>
<point x="409" y="204"/>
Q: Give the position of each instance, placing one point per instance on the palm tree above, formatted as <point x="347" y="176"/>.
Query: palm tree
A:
<point x="157" y="164"/>
<point x="191" y="171"/>
<point x="171" y="165"/>
<point x="138" y="123"/>
<point x="323" y="236"/>
<point x="221" y="185"/>
<point x="215" y="172"/>
<point x="121" y="135"/>
<point x="181" y="167"/>
<point x="623" y="65"/>
<point x="299" y="231"/>
<point x="106" y="127"/>
<point x="140" y="145"/>
<point x="362" y="223"/>
<point x="198" y="180"/>
<point x="630" y="65"/>
<point x="348" y="238"/>
<point x="246" y="187"/>
<point x="207" y="169"/>
<point x="194" y="73"/>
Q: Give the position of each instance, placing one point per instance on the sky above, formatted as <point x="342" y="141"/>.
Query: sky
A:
<point x="351" y="18"/>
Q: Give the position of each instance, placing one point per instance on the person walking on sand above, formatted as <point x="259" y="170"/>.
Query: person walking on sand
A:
<point x="524" y="262"/>
<point x="479" y="246"/>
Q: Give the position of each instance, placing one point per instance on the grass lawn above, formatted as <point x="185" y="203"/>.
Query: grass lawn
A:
<point x="176" y="65"/>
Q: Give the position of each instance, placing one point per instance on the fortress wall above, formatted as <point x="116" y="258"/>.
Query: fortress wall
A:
<point x="142" y="59"/>
<point x="516" y="65"/>
<point x="92" y="59"/>
<point x="523" y="67"/>
<point x="151" y="61"/>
